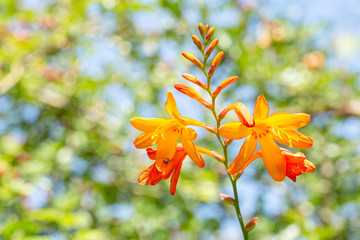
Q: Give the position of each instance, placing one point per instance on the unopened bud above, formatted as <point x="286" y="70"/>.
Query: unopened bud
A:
<point x="210" y="34"/>
<point x="215" y="63"/>
<point x="227" y="199"/>
<point x="250" y="226"/>
<point x="189" y="91"/>
<point x="211" y="47"/>
<point x="207" y="28"/>
<point x="193" y="59"/>
<point x="227" y="142"/>
<point x="197" y="42"/>
<point x="201" y="29"/>
<point x="237" y="175"/>
<point x="218" y="156"/>
<point x="224" y="84"/>
<point x="195" y="80"/>
<point x="210" y="128"/>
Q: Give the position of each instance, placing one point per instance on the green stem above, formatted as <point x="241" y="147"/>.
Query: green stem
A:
<point x="226" y="162"/>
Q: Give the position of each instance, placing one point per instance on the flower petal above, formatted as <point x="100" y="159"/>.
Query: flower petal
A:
<point x="291" y="138"/>
<point x="178" y="157"/>
<point x="166" y="149"/>
<point x="243" y="159"/>
<point x="170" y="106"/>
<point x="151" y="153"/>
<point x="274" y="161"/>
<point x="175" y="178"/>
<point x="193" y="153"/>
<point x="289" y="120"/>
<point x="150" y="176"/>
<point x="241" y="111"/>
<point x="189" y="133"/>
<point x="261" y="108"/>
<point x="146" y="139"/>
<point x="234" y="130"/>
<point x="148" y="124"/>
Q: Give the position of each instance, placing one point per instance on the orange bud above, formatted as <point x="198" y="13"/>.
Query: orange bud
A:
<point x="193" y="59"/>
<point x="189" y="91"/>
<point x="209" y="34"/>
<point x="241" y="111"/>
<point x="227" y="199"/>
<point x="224" y="84"/>
<point x="207" y="28"/>
<point x="218" y="156"/>
<point x="250" y="226"/>
<point x="197" y="42"/>
<point x="237" y="175"/>
<point x="211" y="47"/>
<point x="210" y="128"/>
<point x="215" y="63"/>
<point x="227" y="142"/>
<point x="193" y="79"/>
<point x="201" y="29"/>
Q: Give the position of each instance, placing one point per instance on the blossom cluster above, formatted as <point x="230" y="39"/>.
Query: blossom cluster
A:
<point x="164" y="133"/>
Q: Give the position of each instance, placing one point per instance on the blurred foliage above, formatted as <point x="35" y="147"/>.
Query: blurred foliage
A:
<point x="72" y="74"/>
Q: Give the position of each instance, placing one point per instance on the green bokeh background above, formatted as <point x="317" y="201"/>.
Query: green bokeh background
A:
<point x="72" y="74"/>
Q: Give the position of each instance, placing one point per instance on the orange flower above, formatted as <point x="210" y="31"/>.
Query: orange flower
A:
<point x="279" y="127"/>
<point x="166" y="131"/>
<point x="296" y="163"/>
<point x="172" y="167"/>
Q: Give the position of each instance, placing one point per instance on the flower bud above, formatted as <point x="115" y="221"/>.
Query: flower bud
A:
<point x="237" y="175"/>
<point x="207" y="28"/>
<point x="193" y="59"/>
<point x="209" y="34"/>
<point x="211" y="47"/>
<point x="227" y="199"/>
<point x="224" y="84"/>
<point x="210" y="128"/>
<point x="189" y="91"/>
<point x="250" y="226"/>
<point x="201" y="29"/>
<point x="215" y="63"/>
<point x="197" y="42"/>
<point x="218" y="156"/>
<point x="227" y="142"/>
<point x="193" y="79"/>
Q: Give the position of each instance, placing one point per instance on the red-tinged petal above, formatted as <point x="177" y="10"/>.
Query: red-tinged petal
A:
<point x="170" y="106"/>
<point x="150" y="176"/>
<point x="242" y="160"/>
<point x="234" y="130"/>
<point x="166" y="149"/>
<point x="274" y="161"/>
<point x="193" y="153"/>
<point x="179" y="157"/>
<point x="261" y="108"/>
<point x="151" y="153"/>
<point x="309" y="166"/>
<point x="148" y="124"/>
<point x="291" y="138"/>
<point x="288" y="120"/>
<point x="146" y="139"/>
<point x="175" y="178"/>
<point x="189" y="133"/>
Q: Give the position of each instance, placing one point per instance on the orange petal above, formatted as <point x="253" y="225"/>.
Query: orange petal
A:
<point x="261" y="108"/>
<point x="147" y="124"/>
<point x="291" y="138"/>
<point x="179" y="156"/>
<point x="170" y="106"/>
<point x="274" y="161"/>
<point x="189" y="121"/>
<point x="193" y="153"/>
<point x="189" y="133"/>
<point x="310" y="167"/>
<point x="288" y="120"/>
<point x="146" y="139"/>
<point x="234" y="130"/>
<point x="150" y="176"/>
<point x="242" y="160"/>
<point x="166" y="149"/>
<point x="175" y="178"/>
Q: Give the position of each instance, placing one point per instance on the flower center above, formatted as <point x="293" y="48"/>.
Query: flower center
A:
<point x="260" y="130"/>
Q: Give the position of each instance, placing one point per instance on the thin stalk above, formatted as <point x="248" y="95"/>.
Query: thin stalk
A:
<point x="224" y="147"/>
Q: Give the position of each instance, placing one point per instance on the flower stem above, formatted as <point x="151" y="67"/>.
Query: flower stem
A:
<point x="226" y="162"/>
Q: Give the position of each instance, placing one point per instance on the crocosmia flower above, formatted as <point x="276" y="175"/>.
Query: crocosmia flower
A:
<point x="152" y="175"/>
<point x="279" y="127"/>
<point x="165" y="132"/>
<point x="296" y="163"/>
